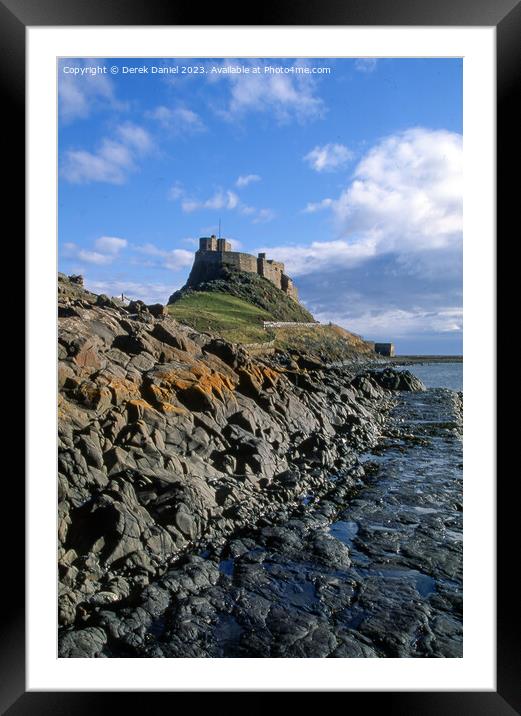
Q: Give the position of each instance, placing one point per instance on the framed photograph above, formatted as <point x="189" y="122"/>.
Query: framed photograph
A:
<point x="262" y="239"/>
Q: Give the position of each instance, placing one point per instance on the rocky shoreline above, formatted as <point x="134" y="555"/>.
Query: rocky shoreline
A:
<point x="173" y="447"/>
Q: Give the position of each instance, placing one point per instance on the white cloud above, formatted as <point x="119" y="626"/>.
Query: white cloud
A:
<point x="287" y="96"/>
<point x="112" y="161"/>
<point x="221" y="199"/>
<point x="405" y="197"/>
<point x="176" y="191"/>
<point x="321" y="255"/>
<point x="80" y="94"/>
<point x="178" y="258"/>
<point x="366" y="64"/>
<point x="258" y="216"/>
<point x="247" y="179"/>
<point x="178" y="119"/>
<point x="110" y="164"/>
<point x="399" y="323"/>
<point x="409" y="190"/>
<point x="395" y="260"/>
<point x="172" y="259"/>
<point x="107" y="249"/>
<point x="94" y="257"/>
<point x="313" y="207"/>
<point x="393" y="268"/>
<point x="69" y="248"/>
<point x="110" y="244"/>
<point x="134" y="137"/>
<point x="262" y="216"/>
<point x="147" y="292"/>
<point x="329" y="157"/>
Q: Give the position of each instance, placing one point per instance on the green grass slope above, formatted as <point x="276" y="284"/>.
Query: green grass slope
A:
<point x="230" y="317"/>
<point x="328" y="342"/>
<point x="235" y="304"/>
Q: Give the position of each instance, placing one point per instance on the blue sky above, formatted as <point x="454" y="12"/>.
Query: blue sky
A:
<point x="349" y="170"/>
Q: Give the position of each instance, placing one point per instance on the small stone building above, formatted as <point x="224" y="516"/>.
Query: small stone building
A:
<point x="384" y="349"/>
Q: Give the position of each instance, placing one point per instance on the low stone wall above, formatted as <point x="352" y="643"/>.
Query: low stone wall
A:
<point x="290" y="324"/>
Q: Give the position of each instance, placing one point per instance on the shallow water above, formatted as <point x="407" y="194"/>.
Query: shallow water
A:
<point x="405" y="529"/>
<point x="374" y="574"/>
<point x="438" y="375"/>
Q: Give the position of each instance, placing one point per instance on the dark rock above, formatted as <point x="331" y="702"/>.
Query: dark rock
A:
<point x="196" y="399"/>
<point x="82" y="643"/>
<point x="137" y="307"/>
<point x="93" y="397"/>
<point x="171" y="442"/>
<point x="167" y="335"/>
<point x="397" y="380"/>
<point x="105" y="302"/>
<point x="157" y="309"/>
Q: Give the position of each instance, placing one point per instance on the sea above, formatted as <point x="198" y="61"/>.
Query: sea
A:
<point x="404" y="533"/>
<point x="438" y="375"/>
<point x="399" y="594"/>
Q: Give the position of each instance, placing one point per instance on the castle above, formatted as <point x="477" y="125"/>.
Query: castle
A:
<point x="215" y="253"/>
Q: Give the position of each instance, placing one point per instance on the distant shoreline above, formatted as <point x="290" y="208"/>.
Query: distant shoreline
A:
<point x="426" y="359"/>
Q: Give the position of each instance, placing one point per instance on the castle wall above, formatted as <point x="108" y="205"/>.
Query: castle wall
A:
<point x="207" y="264"/>
<point x="289" y="287"/>
<point x="272" y="270"/>
<point x="240" y="261"/>
<point x="214" y="253"/>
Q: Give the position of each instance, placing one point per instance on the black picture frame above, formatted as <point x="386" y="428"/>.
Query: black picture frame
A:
<point x="505" y="15"/>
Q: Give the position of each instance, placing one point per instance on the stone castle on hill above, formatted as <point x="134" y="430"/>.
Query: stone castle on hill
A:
<point x="214" y="254"/>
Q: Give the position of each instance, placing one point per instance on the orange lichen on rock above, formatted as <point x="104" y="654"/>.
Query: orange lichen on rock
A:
<point x="123" y="390"/>
<point x="137" y="408"/>
<point x="254" y="378"/>
<point x="271" y="376"/>
<point x="195" y="376"/>
<point x="175" y="409"/>
<point x="158" y="394"/>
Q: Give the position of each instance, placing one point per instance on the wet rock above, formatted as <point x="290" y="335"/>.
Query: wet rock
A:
<point x="317" y="585"/>
<point x="82" y="643"/>
<point x="397" y="380"/>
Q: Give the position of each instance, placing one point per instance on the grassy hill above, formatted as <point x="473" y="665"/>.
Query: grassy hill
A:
<point x="234" y="306"/>
<point x="327" y="341"/>
<point x="253" y="289"/>
<point x="231" y="317"/>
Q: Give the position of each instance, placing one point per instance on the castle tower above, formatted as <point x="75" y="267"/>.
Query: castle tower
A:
<point x="272" y="270"/>
<point x="208" y="244"/>
<point x="223" y="245"/>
